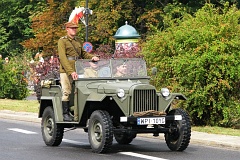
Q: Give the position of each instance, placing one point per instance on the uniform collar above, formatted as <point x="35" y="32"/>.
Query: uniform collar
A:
<point x="74" y="38"/>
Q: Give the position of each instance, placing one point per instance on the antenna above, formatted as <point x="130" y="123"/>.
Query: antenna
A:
<point x="87" y="12"/>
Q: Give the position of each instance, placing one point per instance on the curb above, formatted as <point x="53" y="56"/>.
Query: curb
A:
<point x="206" y="139"/>
<point x="20" y="116"/>
<point x="225" y="141"/>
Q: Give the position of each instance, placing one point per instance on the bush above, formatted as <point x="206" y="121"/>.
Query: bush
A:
<point x="13" y="84"/>
<point x="199" y="56"/>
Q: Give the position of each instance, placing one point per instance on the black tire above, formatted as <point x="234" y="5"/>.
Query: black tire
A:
<point x="179" y="138"/>
<point x="100" y="131"/>
<point x="125" y="138"/>
<point x="52" y="133"/>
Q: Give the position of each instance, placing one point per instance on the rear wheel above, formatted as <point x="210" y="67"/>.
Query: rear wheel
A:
<point x="100" y="131"/>
<point x="180" y="131"/>
<point x="52" y="133"/>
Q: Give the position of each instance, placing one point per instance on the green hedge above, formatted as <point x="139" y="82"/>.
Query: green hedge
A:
<point x="200" y="56"/>
<point x="12" y="81"/>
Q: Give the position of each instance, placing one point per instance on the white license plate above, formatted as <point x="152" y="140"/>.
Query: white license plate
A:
<point x="155" y="120"/>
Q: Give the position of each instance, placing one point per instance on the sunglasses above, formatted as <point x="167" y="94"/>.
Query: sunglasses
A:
<point x="73" y="27"/>
<point x="95" y="62"/>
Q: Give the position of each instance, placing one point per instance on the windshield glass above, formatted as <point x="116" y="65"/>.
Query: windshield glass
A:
<point x="132" y="67"/>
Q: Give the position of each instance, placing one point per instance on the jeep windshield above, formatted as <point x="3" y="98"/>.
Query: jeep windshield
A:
<point x="111" y="68"/>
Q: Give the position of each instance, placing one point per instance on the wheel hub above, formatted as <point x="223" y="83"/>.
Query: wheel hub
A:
<point x="174" y="131"/>
<point x="49" y="126"/>
<point x="98" y="132"/>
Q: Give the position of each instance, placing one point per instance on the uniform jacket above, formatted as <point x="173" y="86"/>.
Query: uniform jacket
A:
<point x="89" y="72"/>
<point x="65" y="49"/>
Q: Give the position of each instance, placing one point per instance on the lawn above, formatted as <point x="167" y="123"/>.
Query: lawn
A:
<point x="19" y="105"/>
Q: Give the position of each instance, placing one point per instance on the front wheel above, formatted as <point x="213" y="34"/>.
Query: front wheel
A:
<point x="100" y="131"/>
<point x="180" y="131"/>
<point x="52" y="133"/>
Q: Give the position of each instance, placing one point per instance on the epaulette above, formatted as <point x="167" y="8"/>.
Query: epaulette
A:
<point x="64" y="37"/>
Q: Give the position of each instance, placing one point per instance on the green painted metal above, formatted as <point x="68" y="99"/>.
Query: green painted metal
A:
<point x="97" y="92"/>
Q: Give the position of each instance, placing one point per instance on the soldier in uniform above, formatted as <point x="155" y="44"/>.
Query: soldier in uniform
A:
<point x="69" y="50"/>
<point x="91" y="71"/>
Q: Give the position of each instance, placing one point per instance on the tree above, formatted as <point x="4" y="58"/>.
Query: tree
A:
<point x="108" y="16"/>
<point x="14" y="24"/>
<point x="47" y="26"/>
<point x="199" y="56"/>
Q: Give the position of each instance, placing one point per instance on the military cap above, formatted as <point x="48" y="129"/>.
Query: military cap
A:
<point x="71" y="25"/>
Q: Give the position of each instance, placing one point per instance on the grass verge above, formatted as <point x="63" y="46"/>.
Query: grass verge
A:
<point x="217" y="130"/>
<point x="19" y="105"/>
<point x="33" y="105"/>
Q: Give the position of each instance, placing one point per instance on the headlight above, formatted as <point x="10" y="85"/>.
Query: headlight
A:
<point x="120" y="93"/>
<point x="165" y="92"/>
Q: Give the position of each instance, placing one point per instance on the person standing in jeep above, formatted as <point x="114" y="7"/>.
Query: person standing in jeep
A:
<point x="69" y="50"/>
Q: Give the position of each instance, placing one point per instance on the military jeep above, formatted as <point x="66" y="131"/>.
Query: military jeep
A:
<point x="107" y="105"/>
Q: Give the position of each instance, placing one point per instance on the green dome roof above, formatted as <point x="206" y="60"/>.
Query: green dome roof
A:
<point x="125" y="32"/>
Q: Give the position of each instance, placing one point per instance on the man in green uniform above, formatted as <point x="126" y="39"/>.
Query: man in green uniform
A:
<point x="91" y="71"/>
<point x="69" y="50"/>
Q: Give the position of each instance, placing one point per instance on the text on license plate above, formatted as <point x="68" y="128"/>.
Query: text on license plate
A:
<point x="155" y="120"/>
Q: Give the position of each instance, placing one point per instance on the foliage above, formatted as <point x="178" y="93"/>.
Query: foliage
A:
<point x="38" y="24"/>
<point x="13" y="84"/>
<point x="108" y="15"/>
<point x="44" y="69"/>
<point x="47" y="26"/>
<point x="199" y="56"/>
<point x="14" y="24"/>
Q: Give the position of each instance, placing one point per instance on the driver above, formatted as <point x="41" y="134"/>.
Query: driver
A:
<point x="92" y="71"/>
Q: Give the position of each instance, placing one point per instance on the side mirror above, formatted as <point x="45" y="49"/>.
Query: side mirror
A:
<point x="154" y="71"/>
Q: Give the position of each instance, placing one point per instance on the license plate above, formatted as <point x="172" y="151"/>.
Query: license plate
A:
<point x="155" y="120"/>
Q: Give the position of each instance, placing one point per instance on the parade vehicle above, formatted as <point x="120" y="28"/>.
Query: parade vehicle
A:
<point x="107" y="105"/>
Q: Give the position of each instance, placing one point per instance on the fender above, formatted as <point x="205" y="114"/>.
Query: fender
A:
<point x="56" y="103"/>
<point x="96" y="97"/>
<point x="165" y="102"/>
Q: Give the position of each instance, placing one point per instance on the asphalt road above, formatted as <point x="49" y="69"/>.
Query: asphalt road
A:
<point x="32" y="97"/>
<point x="23" y="140"/>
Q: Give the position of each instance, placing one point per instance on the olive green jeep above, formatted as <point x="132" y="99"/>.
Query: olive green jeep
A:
<point x="113" y="98"/>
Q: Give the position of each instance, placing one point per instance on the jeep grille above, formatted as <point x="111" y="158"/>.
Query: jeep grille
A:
<point x="144" y="100"/>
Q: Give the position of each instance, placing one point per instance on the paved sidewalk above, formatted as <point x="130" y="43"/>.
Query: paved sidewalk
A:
<point x="20" y="116"/>
<point x="201" y="138"/>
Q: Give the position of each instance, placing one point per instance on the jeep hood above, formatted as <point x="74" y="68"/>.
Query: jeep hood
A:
<point x="111" y="87"/>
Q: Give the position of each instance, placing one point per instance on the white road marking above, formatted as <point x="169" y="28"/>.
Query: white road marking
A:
<point x="124" y="153"/>
<point x="73" y="142"/>
<point x="22" y="131"/>
<point x="141" y="156"/>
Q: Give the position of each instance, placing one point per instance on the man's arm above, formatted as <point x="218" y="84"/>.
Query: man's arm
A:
<point x="89" y="56"/>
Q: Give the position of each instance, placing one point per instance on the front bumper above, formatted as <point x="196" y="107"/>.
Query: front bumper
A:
<point x="135" y="119"/>
<point x="132" y="125"/>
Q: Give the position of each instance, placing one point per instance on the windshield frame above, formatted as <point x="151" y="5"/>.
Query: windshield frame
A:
<point x="130" y="68"/>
